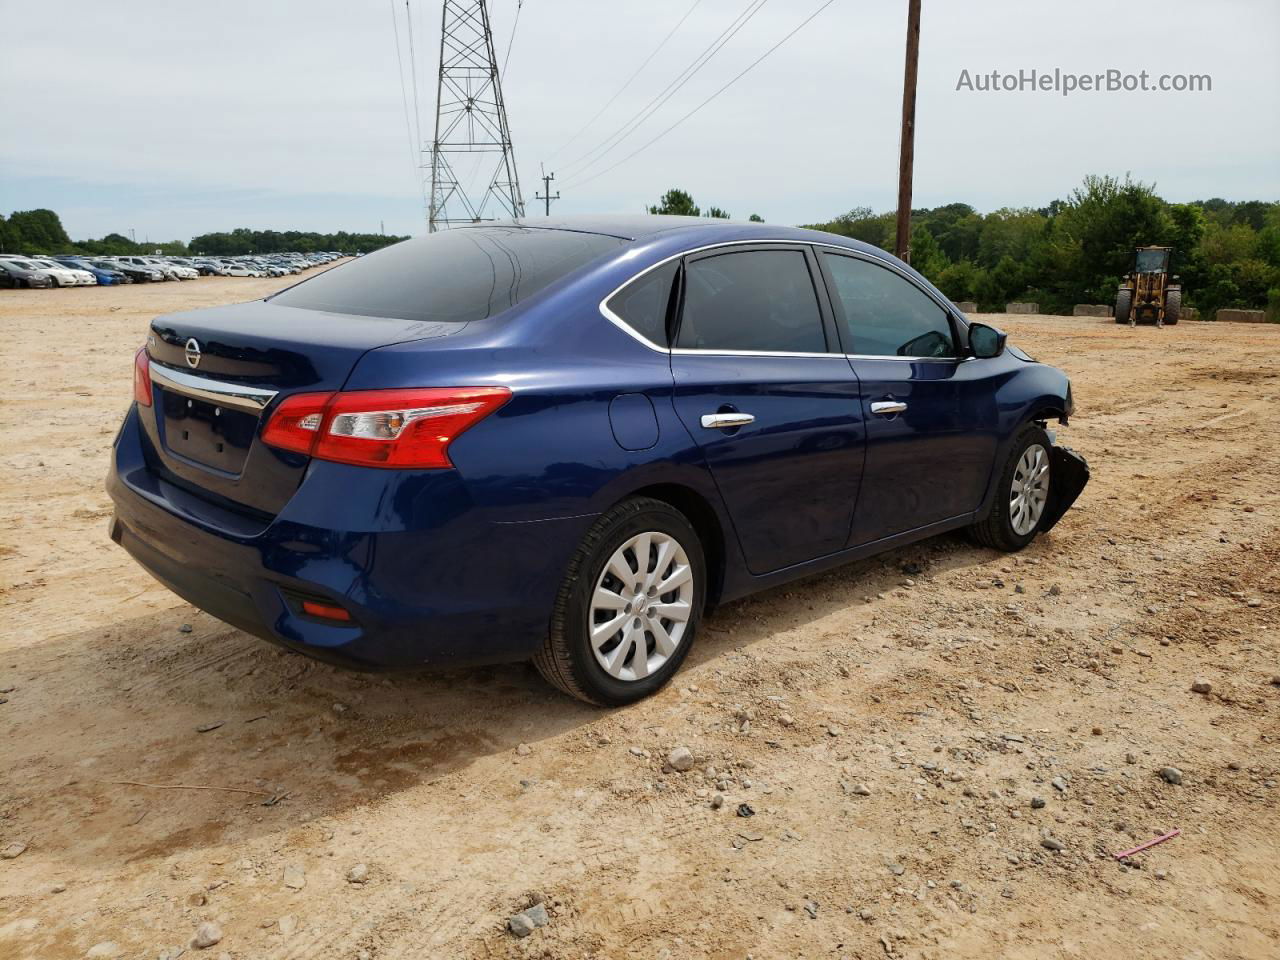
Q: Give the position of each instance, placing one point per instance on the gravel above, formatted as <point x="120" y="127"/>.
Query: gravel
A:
<point x="1171" y="775"/>
<point x="680" y="759"/>
<point x="207" y="934"/>
<point x="294" y="877"/>
<point x="526" y="921"/>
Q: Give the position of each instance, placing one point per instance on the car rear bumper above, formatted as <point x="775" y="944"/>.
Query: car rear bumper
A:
<point x="427" y="579"/>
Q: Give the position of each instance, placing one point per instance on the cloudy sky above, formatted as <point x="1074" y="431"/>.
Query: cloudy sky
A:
<point x="175" y="119"/>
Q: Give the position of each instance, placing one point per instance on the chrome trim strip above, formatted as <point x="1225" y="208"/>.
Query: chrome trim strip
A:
<point x="621" y="324"/>
<point x="689" y="351"/>
<point x="224" y="394"/>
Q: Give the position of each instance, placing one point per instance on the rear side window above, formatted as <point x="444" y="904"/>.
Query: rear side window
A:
<point x="887" y="316"/>
<point x="454" y="276"/>
<point x="759" y="300"/>
<point x="643" y="303"/>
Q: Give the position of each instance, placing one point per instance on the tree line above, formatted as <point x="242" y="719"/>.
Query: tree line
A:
<point x="1076" y="250"/>
<point x="41" y="232"/>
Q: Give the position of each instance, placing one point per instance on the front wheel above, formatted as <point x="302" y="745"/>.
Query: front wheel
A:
<point x="1124" y="305"/>
<point x="1172" y="305"/>
<point x="1021" y="494"/>
<point x="629" y="606"/>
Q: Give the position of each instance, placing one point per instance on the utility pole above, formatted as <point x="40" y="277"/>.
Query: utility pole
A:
<point x="471" y="117"/>
<point x="546" y="191"/>
<point x="906" y="153"/>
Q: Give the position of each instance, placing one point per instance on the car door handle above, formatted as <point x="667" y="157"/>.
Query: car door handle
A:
<point x="888" y="408"/>
<point x="726" y="421"/>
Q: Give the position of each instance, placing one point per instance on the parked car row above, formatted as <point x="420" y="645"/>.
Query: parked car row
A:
<point x="75" y="270"/>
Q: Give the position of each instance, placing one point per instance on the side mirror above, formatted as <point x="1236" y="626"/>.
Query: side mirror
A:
<point x="986" y="342"/>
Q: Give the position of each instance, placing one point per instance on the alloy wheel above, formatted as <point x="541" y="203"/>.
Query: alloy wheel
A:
<point x="641" y="606"/>
<point x="1030" y="489"/>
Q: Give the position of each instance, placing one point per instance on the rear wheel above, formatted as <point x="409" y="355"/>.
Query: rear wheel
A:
<point x="1021" y="494"/>
<point x="1172" y="304"/>
<point x="53" y="281"/>
<point x="1124" y="302"/>
<point x="629" y="606"/>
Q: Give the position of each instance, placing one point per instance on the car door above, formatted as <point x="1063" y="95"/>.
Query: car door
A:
<point x="764" y="390"/>
<point x="930" y="413"/>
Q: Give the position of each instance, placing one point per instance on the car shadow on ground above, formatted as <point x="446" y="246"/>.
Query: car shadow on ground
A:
<point x="140" y="741"/>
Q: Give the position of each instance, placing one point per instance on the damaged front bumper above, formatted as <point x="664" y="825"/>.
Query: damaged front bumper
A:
<point x="1069" y="473"/>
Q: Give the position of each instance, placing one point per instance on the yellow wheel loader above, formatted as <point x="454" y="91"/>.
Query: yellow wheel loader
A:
<point x="1148" y="294"/>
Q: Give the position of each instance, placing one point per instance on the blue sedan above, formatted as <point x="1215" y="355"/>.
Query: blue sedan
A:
<point x="104" y="276"/>
<point x="565" y="440"/>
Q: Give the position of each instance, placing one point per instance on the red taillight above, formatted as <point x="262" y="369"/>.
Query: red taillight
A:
<point x="326" y="611"/>
<point x="142" y="378"/>
<point x="405" y="429"/>
<point x="296" y="422"/>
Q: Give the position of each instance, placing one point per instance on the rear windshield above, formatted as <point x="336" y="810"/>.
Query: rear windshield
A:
<point x="453" y="276"/>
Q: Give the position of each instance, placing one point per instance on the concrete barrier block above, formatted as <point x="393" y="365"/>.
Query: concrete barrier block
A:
<point x="1022" y="308"/>
<point x="1242" y="316"/>
<point x="1091" y="310"/>
<point x="1189" y="313"/>
<point x="966" y="306"/>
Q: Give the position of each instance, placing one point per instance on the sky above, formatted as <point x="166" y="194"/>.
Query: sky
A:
<point x="175" y="119"/>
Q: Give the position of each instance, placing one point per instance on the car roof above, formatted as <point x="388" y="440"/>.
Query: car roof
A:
<point x="697" y="230"/>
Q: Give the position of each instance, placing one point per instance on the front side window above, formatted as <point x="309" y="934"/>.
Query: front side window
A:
<point x="756" y="300"/>
<point x="885" y="315"/>
<point x="643" y="303"/>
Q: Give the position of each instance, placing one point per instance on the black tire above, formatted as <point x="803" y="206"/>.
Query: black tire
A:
<point x="53" y="282"/>
<point x="566" y="659"/>
<point x="1172" y="305"/>
<point x="996" y="530"/>
<point x="1124" y="303"/>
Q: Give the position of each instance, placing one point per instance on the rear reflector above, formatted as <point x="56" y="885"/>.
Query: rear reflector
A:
<point x="403" y="429"/>
<point x="142" y="378"/>
<point x="326" y="611"/>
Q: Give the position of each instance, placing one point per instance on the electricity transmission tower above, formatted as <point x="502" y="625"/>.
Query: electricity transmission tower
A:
<point x="471" y="118"/>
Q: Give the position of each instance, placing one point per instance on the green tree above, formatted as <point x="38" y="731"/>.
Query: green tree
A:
<point x="39" y="231"/>
<point x="959" y="281"/>
<point x="1009" y="232"/>
<point x="1094" y="236"/>
<point x="717" y="214"/>
<point x="756" y="218"/>
<point x="927" y="255"/>
<point x="677" y="203"/>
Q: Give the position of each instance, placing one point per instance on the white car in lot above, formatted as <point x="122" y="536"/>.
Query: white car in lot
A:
<point x="64" y="276"/>
<point x="180" y="270"/>
<point x="241" y="270"/>
<point x="150" y="263"/>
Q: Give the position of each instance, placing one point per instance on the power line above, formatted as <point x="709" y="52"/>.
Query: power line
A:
<point x="413" y="70"/>
<point x="744" y="72"/>
<point x="671" y="89"/>
<point x="512" y="39"/>
<point x="700" y="61"/>
<point x="628" y="81"/>
<point x="404" y="97"/>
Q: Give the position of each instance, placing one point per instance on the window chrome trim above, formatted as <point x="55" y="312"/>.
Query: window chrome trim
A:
<point x="239" y="396"/>
<point x="618" y="322"/>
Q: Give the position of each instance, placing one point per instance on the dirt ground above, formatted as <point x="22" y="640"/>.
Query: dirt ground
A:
<point x="910" y="731"/>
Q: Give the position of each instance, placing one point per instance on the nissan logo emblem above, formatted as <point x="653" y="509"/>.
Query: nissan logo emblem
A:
<point x="193" y="353"/>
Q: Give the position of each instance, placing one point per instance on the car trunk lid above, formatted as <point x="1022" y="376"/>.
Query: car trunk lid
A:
<point x="217" y="373"/>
